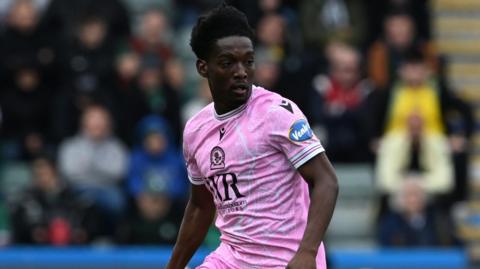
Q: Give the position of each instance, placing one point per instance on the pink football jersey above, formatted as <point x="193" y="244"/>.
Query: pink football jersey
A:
<point x="248" y="159"/>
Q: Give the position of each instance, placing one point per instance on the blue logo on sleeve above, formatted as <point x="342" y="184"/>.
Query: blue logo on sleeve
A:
<point x="300" y="131"/>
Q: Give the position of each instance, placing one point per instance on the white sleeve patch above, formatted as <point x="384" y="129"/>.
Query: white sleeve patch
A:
<point x="306" y="154"/>
<point x="195" y="180"/>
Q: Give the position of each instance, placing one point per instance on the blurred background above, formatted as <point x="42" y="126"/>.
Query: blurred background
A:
<point x="94" y="95"/>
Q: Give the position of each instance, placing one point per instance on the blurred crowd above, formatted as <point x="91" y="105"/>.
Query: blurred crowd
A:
<point x="94" y="95"/>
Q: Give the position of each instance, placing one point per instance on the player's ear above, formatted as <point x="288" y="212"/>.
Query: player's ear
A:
<point x="202" y="67"/>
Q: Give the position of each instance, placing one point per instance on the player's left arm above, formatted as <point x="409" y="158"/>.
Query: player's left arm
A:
<point x="320" y="176"/>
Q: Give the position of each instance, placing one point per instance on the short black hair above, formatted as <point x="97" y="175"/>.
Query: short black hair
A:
<point x="413" y="56"/>
<point x="397" y="12"/>
<point x="45" y="156"/>
<point x="222" y="21"/>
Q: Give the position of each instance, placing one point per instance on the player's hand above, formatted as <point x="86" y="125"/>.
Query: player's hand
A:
<point x="303" y="260"/>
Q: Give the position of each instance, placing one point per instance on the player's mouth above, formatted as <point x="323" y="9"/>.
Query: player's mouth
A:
<point x="240" y="88"/>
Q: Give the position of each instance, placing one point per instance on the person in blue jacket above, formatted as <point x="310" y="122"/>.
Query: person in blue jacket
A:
<point x="155" y="161"/>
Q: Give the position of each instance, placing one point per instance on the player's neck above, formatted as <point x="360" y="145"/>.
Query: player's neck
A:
<point x="222" y="108"/>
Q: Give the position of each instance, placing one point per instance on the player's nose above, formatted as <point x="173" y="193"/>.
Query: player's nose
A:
<point x="240" y="72"/>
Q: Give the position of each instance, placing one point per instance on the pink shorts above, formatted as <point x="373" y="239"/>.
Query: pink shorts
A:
<point x="217" y="261"/>
<point x="213" y="261"/>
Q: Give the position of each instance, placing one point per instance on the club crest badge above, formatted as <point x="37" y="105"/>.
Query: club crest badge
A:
<point x="217" y="158"/>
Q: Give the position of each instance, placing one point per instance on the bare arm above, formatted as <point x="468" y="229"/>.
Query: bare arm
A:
<point x="321" y="178"/>
<point x="196" y="221"/>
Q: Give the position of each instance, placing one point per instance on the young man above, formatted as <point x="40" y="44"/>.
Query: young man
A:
<point x="251" y="157"/>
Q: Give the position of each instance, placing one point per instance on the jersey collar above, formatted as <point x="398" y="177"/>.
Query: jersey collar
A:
<point x="236" y="111"/>
<point x="230" y="113"/>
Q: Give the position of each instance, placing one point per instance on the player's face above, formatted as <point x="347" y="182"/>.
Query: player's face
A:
<point x="229" y="71"/>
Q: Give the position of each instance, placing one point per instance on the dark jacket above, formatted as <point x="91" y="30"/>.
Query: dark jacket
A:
<point x="62" y="215"/>
<point x="396" y="231"/>
<point x="138" y="230"/>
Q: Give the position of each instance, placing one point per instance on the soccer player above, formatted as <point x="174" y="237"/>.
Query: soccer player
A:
<point x="253" y="160"/>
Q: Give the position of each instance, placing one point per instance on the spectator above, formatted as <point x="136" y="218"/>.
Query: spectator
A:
<point x="130" y="105"/>
<point x="24" y="41"/>
<point x="338" y="105"/>
<point x="257" y="10"/>
<point x="89" y="58"/>
<point x="327" y="20"/>
<point x="6" y="5"/>
<point x="418" y="9"/>
<point x="95" y="162"/>
<point x="50" y="212"/>
<point x="274" y="47"/>
<point x="418" y="93"/>
<point x="415" y="151"/>
<point x="203" y="98"/>
<point x="155" y="220"/>
<point x="161" y="99"/>
<point x="26" y="110"/>
<point x="267" y="69"/>
<point x="156" y="160"/>
<point x="127" y="67"/>
<point x="175" y="75"/>
<point x="153" y="42"/>
<point x="154" y="36"/>
<point x="62" y="17"/>
<point x="254" y="10"/>
<point x="387" y="53"/>
<point x="88" y="74"/>
<point x="413" y="223"/>
<point x="271" y="34"/>
<point x="136" y="8"/>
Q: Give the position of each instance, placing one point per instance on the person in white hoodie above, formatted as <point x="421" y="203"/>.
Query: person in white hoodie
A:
<point x="95" y="161"/>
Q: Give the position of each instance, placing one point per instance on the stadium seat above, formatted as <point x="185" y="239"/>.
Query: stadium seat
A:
<point x="353" y="220"/>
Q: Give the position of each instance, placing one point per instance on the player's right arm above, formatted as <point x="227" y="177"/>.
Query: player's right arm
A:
<point x="198" y="217"/>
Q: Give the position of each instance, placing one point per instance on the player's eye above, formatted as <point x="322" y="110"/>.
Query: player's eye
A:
<point x="225" y="64"/>
<point x="250" y="63"/>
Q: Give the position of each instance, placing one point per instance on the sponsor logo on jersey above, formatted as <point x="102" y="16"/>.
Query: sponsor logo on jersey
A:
<point x="226" y="192"/>
<point x="225" y="181"/>
<point x="300" y="131"/>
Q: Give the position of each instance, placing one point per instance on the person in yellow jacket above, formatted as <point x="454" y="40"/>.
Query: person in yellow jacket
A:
<point x="431" y="146"/>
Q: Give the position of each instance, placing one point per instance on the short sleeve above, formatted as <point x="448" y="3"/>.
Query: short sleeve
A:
<point x="290" y="133"/>
<point x="193" y="171"/>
